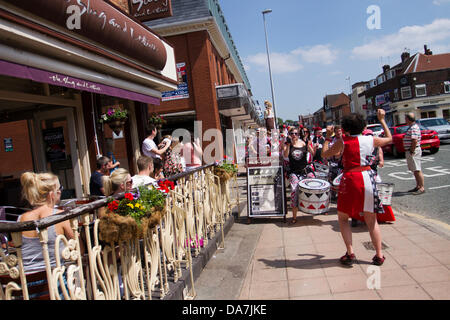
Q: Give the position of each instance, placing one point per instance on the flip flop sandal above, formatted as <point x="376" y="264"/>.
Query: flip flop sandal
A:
<point x="348" y="259"/>
<point x="293" y="221"/>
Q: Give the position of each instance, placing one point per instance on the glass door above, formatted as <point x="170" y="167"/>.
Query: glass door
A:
<point x="57" y="150"/>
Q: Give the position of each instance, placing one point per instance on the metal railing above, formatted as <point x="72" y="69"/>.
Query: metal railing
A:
<point x="88" y="268"/>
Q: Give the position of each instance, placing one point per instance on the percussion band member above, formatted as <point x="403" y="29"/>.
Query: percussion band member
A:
<point x="358" y="196"/>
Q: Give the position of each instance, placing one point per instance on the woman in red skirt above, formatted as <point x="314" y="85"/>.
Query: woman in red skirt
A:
<point x="358" y="195"/>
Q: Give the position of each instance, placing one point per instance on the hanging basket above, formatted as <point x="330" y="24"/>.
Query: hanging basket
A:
<point x="116" y="228"/>
<point x="116" y="126"/>
<point x="223" y="174"/>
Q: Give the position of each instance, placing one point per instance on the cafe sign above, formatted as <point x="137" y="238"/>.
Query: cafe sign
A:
<point x="104" y="24"/>
<point x="146" y="10"/>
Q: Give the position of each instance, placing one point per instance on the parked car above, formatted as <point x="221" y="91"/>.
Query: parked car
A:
<point x="429" y="140"/>
<point x="440" y="125"/>
<point x="377" y="129"/>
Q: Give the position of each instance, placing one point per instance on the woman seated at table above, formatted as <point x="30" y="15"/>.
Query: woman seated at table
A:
<point x="119" y="181"/>
<point x="43" y="192"/>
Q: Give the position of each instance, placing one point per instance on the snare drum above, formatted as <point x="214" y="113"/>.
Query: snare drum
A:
<point x="314" y="196"/>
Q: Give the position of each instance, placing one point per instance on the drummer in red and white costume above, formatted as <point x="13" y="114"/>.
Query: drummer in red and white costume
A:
<point x="358" y="195"/>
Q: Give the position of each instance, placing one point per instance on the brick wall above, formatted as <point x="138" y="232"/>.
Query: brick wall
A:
<point x="203" y="64"/>
<point x="20" y="159"/>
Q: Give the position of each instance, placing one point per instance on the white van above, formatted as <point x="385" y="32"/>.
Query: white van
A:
<point x="440" y="125"/>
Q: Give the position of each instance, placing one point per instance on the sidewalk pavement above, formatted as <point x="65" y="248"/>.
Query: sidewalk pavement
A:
<point x="272" y="260"/>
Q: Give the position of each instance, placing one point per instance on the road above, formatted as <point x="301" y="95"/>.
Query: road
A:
<point x="435" y="203"/>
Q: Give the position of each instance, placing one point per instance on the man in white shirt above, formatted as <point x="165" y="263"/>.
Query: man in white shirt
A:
<point x="145" y="167"/>
<point x="149" y="147"/>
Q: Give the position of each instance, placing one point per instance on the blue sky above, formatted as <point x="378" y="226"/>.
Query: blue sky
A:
<point x="315" y="46"/>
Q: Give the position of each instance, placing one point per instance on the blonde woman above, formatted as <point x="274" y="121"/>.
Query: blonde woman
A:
<point x="43" y="192"/>
<point x="119" y="181"/>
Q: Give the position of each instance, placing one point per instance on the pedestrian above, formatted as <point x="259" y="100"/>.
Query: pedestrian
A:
<point x="174" y="163"/>
<point x="413" y="152"/>
<point x="318" y="141"/>
<point x="149" y="147"/>
<point x="269" y="116"/>
<point x="145" y="167"/>
<point x="296" y="150"/>
<point x="358" y="196"/>
<point x="192" y="153"/>
<point x="96" y="183"/>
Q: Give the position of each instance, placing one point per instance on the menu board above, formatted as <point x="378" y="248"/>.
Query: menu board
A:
<point x="266" y="191"/>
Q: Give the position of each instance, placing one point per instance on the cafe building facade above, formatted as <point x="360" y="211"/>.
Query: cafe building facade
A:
<point x="62" y="65"/>
<point x="214" y="90"/>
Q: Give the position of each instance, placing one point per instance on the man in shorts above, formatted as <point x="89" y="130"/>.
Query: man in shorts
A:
<point x="413" y="152"/>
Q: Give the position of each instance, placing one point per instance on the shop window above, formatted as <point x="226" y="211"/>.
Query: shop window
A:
<point x="421" y="90"/>
<point x="406" y="92"/>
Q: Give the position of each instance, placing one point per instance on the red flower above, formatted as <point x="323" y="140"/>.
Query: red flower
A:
<point x="113" y="206"/>
<point x="129" y="196"/>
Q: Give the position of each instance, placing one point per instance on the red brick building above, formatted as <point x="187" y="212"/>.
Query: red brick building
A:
<point x="217" y="91"/>
<point x="419" y="84"/>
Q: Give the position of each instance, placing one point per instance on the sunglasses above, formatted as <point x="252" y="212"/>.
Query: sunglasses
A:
<point x="294" y="133"/>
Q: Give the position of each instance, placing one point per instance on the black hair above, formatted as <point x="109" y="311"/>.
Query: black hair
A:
<point x="157" y="164"/>
<point x="353" y="123"/>
<point x="150" y="129"/>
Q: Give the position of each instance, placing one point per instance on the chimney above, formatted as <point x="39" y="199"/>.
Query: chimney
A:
<point x="386" y="68"/>
<point x="428" y="52"/>
<point x="405" y="56"/>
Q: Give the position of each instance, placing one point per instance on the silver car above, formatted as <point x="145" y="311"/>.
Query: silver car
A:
<point x="440" y="125"/>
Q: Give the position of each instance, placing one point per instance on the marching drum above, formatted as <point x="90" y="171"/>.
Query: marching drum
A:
<point x="314" y="196"/>
<point x="321" y="172"/>
<point x="337" y="182"/>
<point x="385" y="191"/>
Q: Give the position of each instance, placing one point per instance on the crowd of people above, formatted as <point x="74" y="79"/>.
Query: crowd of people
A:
<point x="348" y="150"/>
<point x="168" y="158"/>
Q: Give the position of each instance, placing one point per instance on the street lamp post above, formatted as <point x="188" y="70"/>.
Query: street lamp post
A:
<point x="270" y="69"/>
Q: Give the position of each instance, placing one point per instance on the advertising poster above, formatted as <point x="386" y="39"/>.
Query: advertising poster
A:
<point x="55" y="147"/>
<point x="266" y="196"/>
<point x="8" y="144"/>
<point x="183" y="91"/>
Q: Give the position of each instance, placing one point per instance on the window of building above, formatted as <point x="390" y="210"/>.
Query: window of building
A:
<point x="421" y="90"/>
<point x="446" y="114"/>
<point x="428" y="114"/>
<point x="406" y="92"/>
<point x="396" y="97"/>
<point x="447" y="86"/>
<point x="391" y="74"/>
<point x="396" y="119"/>
<point x="381" y="79"/>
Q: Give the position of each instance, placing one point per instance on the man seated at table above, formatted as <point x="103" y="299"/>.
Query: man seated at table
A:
<point x="96" y="184"/>
<point x="145" y="167"/>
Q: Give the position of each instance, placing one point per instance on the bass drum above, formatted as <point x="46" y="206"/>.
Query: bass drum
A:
<point x="314" y="196"/>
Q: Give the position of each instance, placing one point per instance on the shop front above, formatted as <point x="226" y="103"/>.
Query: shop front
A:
<point x="57" y="82"/>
